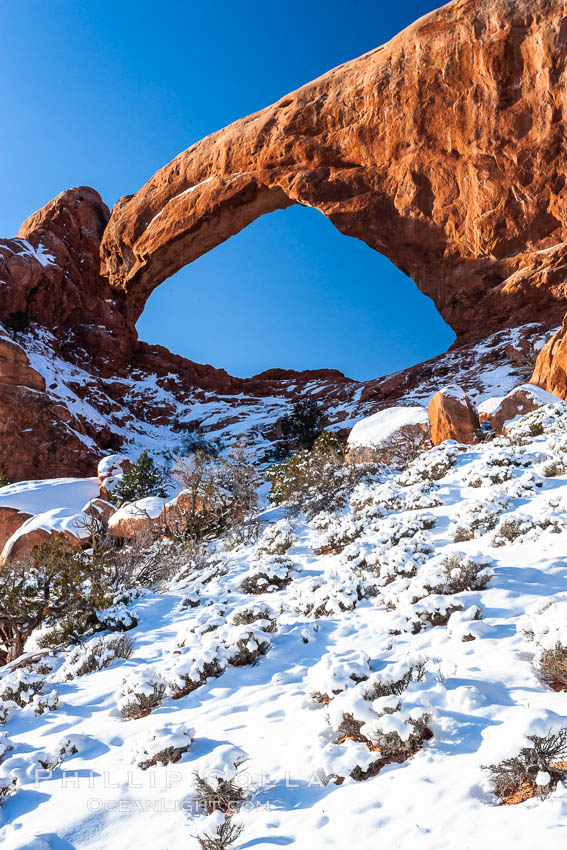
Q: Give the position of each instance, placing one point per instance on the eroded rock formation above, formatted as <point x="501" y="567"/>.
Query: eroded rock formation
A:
<point x="443" y="149"/>
<point x="453" y="416"/>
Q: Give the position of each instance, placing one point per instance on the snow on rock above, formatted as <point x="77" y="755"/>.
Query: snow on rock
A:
<point x="453" y="416"/>
<point x="517" y="403"/>
<point x="135" y="517"/>
<point x="36" y="500"/>
<point x="113" y="465"/>
<point x="377" y="429"/>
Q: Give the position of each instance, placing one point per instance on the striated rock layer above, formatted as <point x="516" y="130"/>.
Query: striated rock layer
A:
<point x="443" y="149"/>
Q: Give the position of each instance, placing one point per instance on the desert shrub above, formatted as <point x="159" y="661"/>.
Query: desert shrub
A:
<point x="220" y="790"/>
<point x="328" y="596"/>
<point x="477" y="517"/>
<point x="430" y="466"/>
<point x="20" y="686"/>
<point x="536" y="429"/>
<point x="192" y="443"/>
<point x="219" y="494"/>
<point x="143" y="479"/>
<point x="220" y="832"/>
<point x="248" y="647"/>
<point x="8" y="786"/>
<point x="163" y="746"/>
<point x="193" y="669"/>
<point x="41" y="703"/>
<point x="96" y="655"/>
<point x="139" y="694"/>
<point x="276" y="539"/>
<point x="60" y="587"/>
<point x="4" y="481"/>
<point x="552" y="666"/>
<point x="316" y="479"/>
<point x="462" y="573"/>
<point x="269" y="575"/>
<point x="520" y="773"/>
<point x="510" y="528"/>
<point x="256" y="613"/>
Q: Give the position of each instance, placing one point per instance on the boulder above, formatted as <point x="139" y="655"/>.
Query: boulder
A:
<point x="136" y="518"/>
<point x="385" y="428"/>
<point x="99" y="509"/>
<point x="517" y="403"/>
<point x="113" y="465"/>
<point x="453" y="416"/>
<point x="550" y="371"/>
<point x="10" y="520"/>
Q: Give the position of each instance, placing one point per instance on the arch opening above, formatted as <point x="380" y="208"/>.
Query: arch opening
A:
<point x="291" y="291"/>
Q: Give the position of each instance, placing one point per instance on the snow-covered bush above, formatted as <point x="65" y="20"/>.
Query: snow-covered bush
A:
<point x="164" y="745"/>
<point x="66" y="748"/>
<point x="335" y="673"/>
<point x="270" y="574"/>
<point x="551" y="665"/>
<point x="8" y="786"/>
<point x="194" y="666"/>
<point x="96" y="655"/>
<point x="216" y="783"/>
<point x="459" y="572"/>
<point x="276" y="539"/>
<point x="431" y="465"/>
<point x="246" y="644"/>
<point x="328" y="596"/>
<point x="256" y="612"/>
<point x="20" y="686"/>
<point x="218" y="831"/>
<point x="41" y="703"/>
<point x="475" y="518"/>
<point x="117" y="618"/>
<point x="141" y="691"/>
<point x="532" y="772"/>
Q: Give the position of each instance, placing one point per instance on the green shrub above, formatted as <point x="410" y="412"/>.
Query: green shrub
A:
<point x="59" y="587"/>
<point x="143" y="479"/>
<point x="4" y="481"/>
<point x="310" y="480"/>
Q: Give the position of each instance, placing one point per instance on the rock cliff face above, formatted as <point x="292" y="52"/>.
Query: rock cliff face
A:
<point x="443" y="149"/>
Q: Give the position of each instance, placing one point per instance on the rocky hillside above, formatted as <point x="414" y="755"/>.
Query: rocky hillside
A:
<point x="442" y="150"/>
<point x="353" y="671"/>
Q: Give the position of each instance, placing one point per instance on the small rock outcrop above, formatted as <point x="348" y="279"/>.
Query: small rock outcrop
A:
<point x="520" y="401"/>
<point x="550" y="371"/>
<point x="453" y="416"/>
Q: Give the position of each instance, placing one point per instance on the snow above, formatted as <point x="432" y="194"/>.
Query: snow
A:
<point x="37" y="498"/>
<point x="378" y="428"/>
<point x="373" y="653"/>
<point x="150" y="507"/>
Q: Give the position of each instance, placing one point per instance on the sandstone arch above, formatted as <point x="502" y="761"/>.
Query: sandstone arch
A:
<point x="442" y="149"/>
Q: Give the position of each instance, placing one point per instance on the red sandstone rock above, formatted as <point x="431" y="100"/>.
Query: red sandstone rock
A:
<point x="113" y="465"/>
<point x="99" y="509"/>
<point x="10" y="520"/>
<point x="135" y="519"/>
<point x="550" y="371"/>
<point x="442" y="149"/>
<point x="453" y="416"/>
<point x="15" y="368"/>
<point x="520" y="401"/>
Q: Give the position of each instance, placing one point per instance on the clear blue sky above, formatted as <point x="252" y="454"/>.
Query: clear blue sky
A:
<point x="104" y="92"/>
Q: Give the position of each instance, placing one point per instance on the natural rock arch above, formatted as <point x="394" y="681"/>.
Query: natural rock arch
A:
<point x="442" y="150"/>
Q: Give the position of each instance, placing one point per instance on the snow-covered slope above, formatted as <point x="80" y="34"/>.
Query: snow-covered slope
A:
<point x="344" y="622"/>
